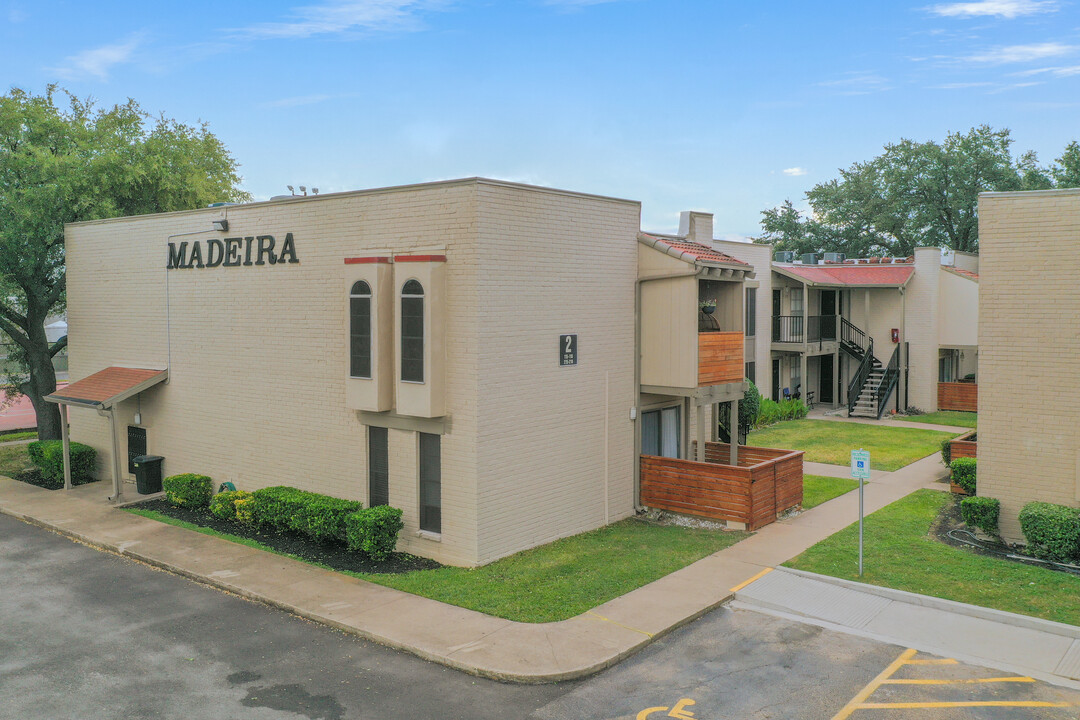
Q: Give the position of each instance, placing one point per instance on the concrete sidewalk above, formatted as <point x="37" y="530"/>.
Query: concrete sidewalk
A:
<point x="1038" y="648"/>
<point x="454" y="636"/>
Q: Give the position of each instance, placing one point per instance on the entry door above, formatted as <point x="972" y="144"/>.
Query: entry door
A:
<point x="776" y="379"/>
<point x="828" y="316"/>
<point x="660" y="432"/>
<point x="825" y="380"/>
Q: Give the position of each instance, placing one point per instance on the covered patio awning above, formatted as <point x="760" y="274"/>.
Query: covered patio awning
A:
<point x="102" y="391"/>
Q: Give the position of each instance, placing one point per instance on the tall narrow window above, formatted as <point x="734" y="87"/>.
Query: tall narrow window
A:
<point x="796" y="301"/>
<point x="412" y="332"/>
<point x="751" y="312"/>
<point x="360" y="330"/>
<point x="378" y="467"/>
<point x="431" y="482"/>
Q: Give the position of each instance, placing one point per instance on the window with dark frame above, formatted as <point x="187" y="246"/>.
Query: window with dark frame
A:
<point x="430" y="482"/>
<point x="751" y="312"/>
<point x="360" y="330"/>
<point x="378" y="467"/>
<point x="412" y="332"/>
<point x="751" y="372"/>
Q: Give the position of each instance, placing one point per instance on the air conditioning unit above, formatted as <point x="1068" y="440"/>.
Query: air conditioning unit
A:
<point x="835" y="257"/>
<point x="784" y="256"/>
<point x="809" y="259"/>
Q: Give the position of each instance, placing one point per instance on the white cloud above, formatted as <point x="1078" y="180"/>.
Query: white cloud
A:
<point x="1008" y="9"/>
<point x="858" y="83"/>
<point x="341" y="16"/>
<point x="1022" y="53"/>
<point x="1067" y="71"/>
<point x="794" y="171"/>
<point x="97" y="62"/>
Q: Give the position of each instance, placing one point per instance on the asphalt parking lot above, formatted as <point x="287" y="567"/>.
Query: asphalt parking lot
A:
<point x="84" y="634"/>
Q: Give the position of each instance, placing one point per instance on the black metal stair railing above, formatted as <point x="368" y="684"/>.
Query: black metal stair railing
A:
<point x="853" y="339"/>
<point x="888" y="381"/>
<point x="861" y="374"/>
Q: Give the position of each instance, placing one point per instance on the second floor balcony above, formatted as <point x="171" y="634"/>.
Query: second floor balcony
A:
<point x="808" y="329"/>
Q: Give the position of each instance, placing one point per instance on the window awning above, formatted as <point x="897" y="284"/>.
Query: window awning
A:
<point x="107" y="387"/>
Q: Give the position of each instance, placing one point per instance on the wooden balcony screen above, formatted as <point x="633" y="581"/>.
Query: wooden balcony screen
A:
<point x="720" y="358"/>
<point x="958" y="396"/>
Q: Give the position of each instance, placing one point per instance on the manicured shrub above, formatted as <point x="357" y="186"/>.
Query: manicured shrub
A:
<point x="244" y="509"/>
<point x="963" y="473"/>
<point x="374" y="531"/>
<point x="223" y="505"/>
<point x="946" y="451"/>
<point x="320" y="517"/>
<point x="1052" y="531"/>
<point x="188" y="490"/>
<point x="48" y="456"/>
<point x="981" y="512"/>
<point x="769" y="413"/>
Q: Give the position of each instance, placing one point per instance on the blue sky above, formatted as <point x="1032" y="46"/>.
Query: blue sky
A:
<point x="719" y="106"/>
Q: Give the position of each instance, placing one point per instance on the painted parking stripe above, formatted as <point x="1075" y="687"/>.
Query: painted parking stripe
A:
<point x="967" y="703"/>
<point x="963" y="681"/>
<point x="874" y="684"/>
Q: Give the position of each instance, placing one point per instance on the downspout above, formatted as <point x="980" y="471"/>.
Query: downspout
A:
<point x="111" y="414"/>
<point x="637" y="373"/>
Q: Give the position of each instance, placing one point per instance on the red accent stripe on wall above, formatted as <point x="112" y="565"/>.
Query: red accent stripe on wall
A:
<point x="365" y="260"/>
<point x="419" y="258"/>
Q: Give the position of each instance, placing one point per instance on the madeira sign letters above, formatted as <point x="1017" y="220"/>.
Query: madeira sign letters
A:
<point x="232" y="252"/>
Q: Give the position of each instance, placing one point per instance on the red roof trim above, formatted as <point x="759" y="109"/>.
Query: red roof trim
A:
<point x="104" y="385"/>
<point x="419" y="258"/>
<point x="365" y="260"/>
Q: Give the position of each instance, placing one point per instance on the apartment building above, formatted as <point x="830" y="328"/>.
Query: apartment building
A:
<point x="1029" y="338"/>
<point x="493" y="358"/>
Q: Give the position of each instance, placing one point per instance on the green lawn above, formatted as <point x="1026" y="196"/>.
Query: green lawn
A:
<point x="830" y="441"/>
<point x="552" y="582"/>
<point x="24" y="435"/>
<point x="899" y="553"/>
<point x="821" y="488"/>
<point x="13" y="459"/>
<point x="953" y="418"/>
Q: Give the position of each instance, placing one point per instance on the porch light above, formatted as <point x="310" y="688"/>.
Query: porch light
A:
<point x="221" y="225"/>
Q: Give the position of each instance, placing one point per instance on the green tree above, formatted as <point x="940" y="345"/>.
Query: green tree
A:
<point x="913" y="194"/>
<point x="67" y="161"/>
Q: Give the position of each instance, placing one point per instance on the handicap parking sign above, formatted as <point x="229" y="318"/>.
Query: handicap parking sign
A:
<point x="860" y="464"/>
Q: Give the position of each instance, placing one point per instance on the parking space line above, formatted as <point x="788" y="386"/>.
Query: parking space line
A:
<point x="874" y="684"/>
<point x="933" y="661"/>
<point x="966" y="703"/>
<point x="744" y="583"/>
<point x="958" y="682"/>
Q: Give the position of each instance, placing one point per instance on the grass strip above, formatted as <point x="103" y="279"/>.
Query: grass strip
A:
<point x="901" y="553"/>
<point x="953" y="418"/>
<point x="12" y="437"/>
<point x="548" y="583"/>
<point x="830" y="441"/>
<point x="822" y="488"/>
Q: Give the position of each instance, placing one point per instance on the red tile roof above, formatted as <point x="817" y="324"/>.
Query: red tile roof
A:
<point x="103" y="386"/>
<point x="964" y="273"/>
<point x="704" y="253"/>
<point x="883" y="275"/>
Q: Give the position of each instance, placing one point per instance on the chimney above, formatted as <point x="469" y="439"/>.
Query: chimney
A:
<point x="696" y="226"/>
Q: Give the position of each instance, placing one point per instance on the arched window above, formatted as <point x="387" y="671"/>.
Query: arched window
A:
<point x="360" y="330"/>
<point x="412" y="332"/>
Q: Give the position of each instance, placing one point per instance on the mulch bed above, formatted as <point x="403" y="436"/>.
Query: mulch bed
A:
<point x="333" y="555"/>
<point x="33" y="476"/>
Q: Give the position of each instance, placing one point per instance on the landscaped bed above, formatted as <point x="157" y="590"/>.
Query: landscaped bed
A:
<point x="818" y="489"/>
<point x="552" y="582"/>
<point x="953" y="418"/>
<point x="15" y="463"/>
<point x="831" y="441"/>
<point x="904" y="549"/>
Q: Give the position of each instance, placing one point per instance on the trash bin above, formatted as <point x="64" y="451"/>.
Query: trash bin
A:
<point x="148" y="474"/>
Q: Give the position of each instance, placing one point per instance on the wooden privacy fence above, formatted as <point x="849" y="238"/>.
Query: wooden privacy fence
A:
<point x="963" y="446"/>
<point x="958" y="396"/>
<point x="766" y="483"/>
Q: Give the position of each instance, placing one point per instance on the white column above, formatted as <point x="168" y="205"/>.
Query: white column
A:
<point x="67" y="445"/>
<point x="117" y="480"/>
<point x="701" y="433"/>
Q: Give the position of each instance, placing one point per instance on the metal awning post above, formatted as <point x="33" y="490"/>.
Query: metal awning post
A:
<point x="66" y="439"/>
<point x="110" y="413"/>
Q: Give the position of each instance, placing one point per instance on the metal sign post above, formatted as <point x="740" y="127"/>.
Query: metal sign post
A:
<point x="860" y="469"/>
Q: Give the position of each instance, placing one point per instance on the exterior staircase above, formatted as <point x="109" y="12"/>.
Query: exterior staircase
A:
<point x="866" y="404"/>
<point x="872" y="383"/>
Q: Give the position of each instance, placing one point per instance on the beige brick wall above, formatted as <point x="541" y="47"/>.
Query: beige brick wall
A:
<point x="922" y="311"/>
<point x="256" y="393"/>
<point x="1029" y="350"/>
<point x="554" y="442"/>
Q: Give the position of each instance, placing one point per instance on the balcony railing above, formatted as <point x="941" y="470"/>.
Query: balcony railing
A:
<point x="792" y="329"/>
<point x="720" y="358"/>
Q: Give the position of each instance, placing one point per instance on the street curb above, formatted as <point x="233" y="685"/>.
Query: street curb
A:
<point x="1000" y="616"/>
<point x="489" y="673"/>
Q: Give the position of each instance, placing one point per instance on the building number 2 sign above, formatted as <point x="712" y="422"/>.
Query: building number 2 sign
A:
<point x="567" y="350"/>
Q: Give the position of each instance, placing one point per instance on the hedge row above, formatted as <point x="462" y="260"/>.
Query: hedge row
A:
<point x="963" y="473"/>
<point x="981" y="512"/>
<point x="1052" y="531"/>
<point x="322" y="518"/>
<point x="48" y="456"/>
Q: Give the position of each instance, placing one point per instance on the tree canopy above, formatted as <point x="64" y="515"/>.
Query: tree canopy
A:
<point x="914" y="194"/>
<point x="62" y="160"/>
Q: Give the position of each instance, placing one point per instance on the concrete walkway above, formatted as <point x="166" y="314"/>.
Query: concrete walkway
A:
<point x="1038" y="648"/>
<point x="819" y="414"/>
<point x="447" y="634"/>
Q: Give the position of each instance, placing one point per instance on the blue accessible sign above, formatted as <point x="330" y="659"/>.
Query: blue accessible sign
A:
<point x="860" y="464"/>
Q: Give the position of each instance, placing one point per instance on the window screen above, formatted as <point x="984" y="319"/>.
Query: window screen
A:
<point x="360" y="330"/>
<point x="378" y="467"/>
<point x="430" y="483"/>
<point x="751" y="312"/>
<point x="412" y="332"/>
